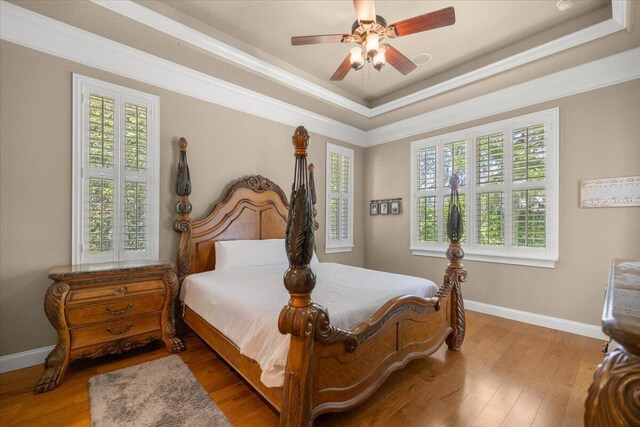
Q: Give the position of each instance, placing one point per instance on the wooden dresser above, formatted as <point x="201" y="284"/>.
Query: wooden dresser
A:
<point x="105" y="309"/>
<point x="614" y="395"/>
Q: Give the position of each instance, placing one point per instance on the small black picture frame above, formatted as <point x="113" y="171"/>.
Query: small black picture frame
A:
<point x="373" y="208"/>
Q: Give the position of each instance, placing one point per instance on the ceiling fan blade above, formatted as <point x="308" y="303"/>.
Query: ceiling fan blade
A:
<point x="398" y="61"/>
<point x="343" y="69"/>
<point x="428" y="21"/>
<point x="327" y="38"/>
<point x="365" y="10"/>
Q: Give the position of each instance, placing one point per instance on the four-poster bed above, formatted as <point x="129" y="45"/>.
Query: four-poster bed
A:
<point x="328" y="369"/>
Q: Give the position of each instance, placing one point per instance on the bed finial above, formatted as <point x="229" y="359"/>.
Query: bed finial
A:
<point x="455" y="273"/>
<point x="300" y="141"/>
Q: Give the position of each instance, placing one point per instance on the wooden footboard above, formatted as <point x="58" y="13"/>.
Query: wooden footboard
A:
<point x="407" y="329"/>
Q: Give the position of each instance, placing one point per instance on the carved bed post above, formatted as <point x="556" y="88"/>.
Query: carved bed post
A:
<point x="299" y="316"/>
<point x="182" y="225"/>
<point x="455" y="273"/>
<point x="312" y="187"/>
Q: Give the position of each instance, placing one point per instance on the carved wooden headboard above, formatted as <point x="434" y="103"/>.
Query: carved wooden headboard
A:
<point x="253" y="208"/>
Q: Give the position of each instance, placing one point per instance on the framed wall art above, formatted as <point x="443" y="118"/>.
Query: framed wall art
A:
<point x="610" y="192"/>
<point x="373" y="208"/>
<point x="395" y="207"/>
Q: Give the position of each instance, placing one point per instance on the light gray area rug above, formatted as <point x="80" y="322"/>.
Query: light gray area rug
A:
<point x="163" y="392"/>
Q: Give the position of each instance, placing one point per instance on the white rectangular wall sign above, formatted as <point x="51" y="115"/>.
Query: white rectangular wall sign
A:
<point x="610" y="192"/>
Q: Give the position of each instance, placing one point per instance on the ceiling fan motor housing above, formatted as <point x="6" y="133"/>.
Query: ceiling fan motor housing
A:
<point x="360" y="29"/>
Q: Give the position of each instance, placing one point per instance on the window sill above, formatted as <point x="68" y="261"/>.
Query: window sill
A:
<point x="339" y="249"/>
<point x="543" y="262"/>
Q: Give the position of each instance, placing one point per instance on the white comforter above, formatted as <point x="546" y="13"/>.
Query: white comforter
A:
<point x="244" y="303"/>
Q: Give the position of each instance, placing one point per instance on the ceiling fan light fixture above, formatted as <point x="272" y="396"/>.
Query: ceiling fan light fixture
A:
<point x="356" y="58"/>
<point x="379" y="59"/>
<point x="370" y="29"/>
<point x="372" y="44"/>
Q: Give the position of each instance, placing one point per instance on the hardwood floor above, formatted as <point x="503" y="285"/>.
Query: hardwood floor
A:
<point x="508" y="373"/>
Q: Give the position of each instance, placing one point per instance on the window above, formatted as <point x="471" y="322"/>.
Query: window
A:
<point x="508" y="190"/>
<point x="115" y="173"/>
<point x="339" y="224"/>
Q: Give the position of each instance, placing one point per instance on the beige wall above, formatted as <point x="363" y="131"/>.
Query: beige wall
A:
<point x="599" y="137"/>
<point x="35" y="176"/>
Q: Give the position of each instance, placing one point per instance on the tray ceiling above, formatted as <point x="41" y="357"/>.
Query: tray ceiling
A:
<point x="481" y="28"/>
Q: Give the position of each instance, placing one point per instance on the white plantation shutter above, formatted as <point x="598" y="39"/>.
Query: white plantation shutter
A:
<point x="115" y="173"/>
<point x="490" y="173"/>
<point x="339" y="229"/>
<point x="427" y="194"/>
<point x="529" y="186"/>
<point x="508" y="193"/>
<point x="432" y="189"/>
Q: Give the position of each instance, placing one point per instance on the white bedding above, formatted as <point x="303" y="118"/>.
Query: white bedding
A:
<point x="244" y="303"/>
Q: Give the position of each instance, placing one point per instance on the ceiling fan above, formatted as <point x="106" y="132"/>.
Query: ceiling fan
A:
<point x="367" y="32"/>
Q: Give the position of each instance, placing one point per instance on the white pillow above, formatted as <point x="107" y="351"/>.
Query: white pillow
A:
<point x="246" y="253"/>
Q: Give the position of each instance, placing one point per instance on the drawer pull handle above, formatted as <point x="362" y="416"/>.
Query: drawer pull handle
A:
<point x="123" y="311"/>
<point x="120" y="291"/>
<point x="121" y="331"/>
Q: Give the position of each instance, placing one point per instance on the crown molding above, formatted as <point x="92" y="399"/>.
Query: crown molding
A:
<point x="161" y="23"/>
<point x="38" y="32"/>
<point x="27" y="28"/>
<point x="604" y="72"/>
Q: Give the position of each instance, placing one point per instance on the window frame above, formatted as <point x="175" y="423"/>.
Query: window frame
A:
<point x="340" y="245"/>
<point x="506" y="254"/>
<point x="82" y="87"/>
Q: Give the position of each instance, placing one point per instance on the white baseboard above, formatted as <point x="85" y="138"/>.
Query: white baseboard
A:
<point x="24" y="359"/>
<point x="570" y="326"/>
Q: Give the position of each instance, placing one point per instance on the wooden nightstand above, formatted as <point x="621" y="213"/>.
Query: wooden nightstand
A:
<point x="105" y="309"/>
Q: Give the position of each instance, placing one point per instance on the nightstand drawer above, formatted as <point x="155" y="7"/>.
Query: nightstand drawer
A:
<point x="100" y="293"/>
<point x="105" y="332"/>
<point x="114" y="309"/>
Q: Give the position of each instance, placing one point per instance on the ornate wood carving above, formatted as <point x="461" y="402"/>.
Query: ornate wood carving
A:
<point x="57" y="361"/>
<point x="182" y="224"/>
<point x="299" y="316"/>
<point x="171" y="280"/>
<point x="98" y="301"/>
<point x="173" y="343"/>
<point x="52" y="302"/>
<point x="55" y="365"/>
<point x="118" y="347"/>
<point x="377" y="326"/>
<point x="327" y="334"/>
<point x="455" y="273"/>
<point x="614" y="395"/>
<point x="258" y="184"/>
<point x="312" y="186"/>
